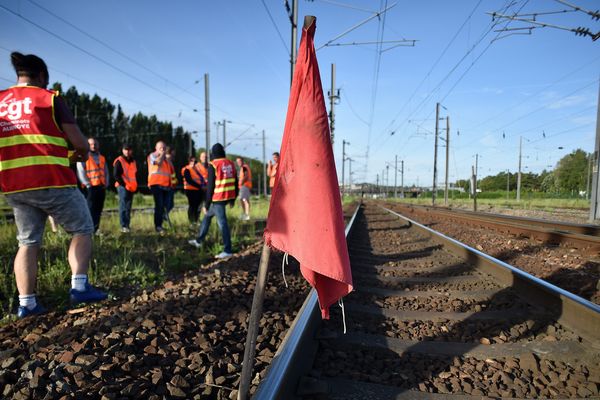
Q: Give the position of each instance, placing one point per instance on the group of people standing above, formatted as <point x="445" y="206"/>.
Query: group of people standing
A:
<point x="40" y="141"/>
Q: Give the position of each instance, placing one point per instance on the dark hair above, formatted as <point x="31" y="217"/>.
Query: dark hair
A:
<point x="126" y="146"/>
<point x="192" y="158"/>
<point x="28" y="65"/>
<point x="276" y="153"/>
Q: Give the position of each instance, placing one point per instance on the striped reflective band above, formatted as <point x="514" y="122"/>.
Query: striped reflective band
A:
<point x="32" y="139"/>
<point x="35" y="160"/>
<point x="224" y="181"/>
<point x="224" y="189"/>
<point x="159" y="172"/>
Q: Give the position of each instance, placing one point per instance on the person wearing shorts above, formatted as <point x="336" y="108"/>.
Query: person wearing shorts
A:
<point x="37" y="181"/>
<point x="244" y="184"/>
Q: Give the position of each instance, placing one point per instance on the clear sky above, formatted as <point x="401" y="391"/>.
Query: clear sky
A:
<point x="151" y="56"/>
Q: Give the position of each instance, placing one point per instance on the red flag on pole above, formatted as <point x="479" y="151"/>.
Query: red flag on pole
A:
<point x="305" y="216"/>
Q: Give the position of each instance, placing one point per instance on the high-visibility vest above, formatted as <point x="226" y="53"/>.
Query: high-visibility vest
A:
<point x="224" y="179"/>
<point x="173" y="175"/>
<point x="129" y="171"/>
<point x="203" y="171"/>
<point x="245" y="177"/>
<point x="195" y="175"/>
<point x="95" y="172"/>
<point x="159" y="174"/>
<point x="272" y="172"/>
<point x="33" y="148"/>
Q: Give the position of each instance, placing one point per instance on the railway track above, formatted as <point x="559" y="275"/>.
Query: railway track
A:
<point x="433" y="319"/>
<point x="580" y="236"/>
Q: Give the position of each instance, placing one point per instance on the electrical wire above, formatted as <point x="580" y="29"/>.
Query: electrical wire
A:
<point x="287" y="50"/>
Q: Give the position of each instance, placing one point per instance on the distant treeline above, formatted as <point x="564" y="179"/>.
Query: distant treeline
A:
<point x="570" y="176"/>
<point x="99" y="118"/>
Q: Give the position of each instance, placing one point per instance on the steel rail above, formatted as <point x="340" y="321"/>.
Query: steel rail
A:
<point x="574" y="312"/>
<point x="546" y="231"/>
<point x="584" y="229"/>
<point x="292" y="357"/>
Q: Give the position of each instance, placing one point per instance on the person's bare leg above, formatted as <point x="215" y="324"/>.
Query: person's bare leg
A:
<point x="246" y="207"/>
<point x="80" y="253"/>
<point x="26" y="269"/>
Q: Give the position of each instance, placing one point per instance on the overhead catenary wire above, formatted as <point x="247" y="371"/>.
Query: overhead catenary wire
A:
<point x="276" y="28"/>
<point x="100" y="59"/>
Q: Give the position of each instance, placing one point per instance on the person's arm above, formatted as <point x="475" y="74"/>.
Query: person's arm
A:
<point x="82" y="175"/>
<point x="237" y="188"/>
<point x="188" y="178"/>
<point x="118" y="173"/>
<point x="67" y="123"/>
<point x="210" y="187"/>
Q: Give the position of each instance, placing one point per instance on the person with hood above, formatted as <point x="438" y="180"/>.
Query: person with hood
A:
<point x="221" y="189"/>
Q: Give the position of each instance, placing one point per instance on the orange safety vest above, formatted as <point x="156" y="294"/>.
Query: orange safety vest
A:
<point x="203" y="171"/>
<point x="224" y="179"/>
<point x="159" y="174"/>
<point x="245" y="177"/>
<point x="95" y="172"/>
<point x="196" y="177"/>
<point x="33" y="148"/>
<point x="272" y="172"/>
<point x="173" y="175"/>
<point x="129" y="171"/>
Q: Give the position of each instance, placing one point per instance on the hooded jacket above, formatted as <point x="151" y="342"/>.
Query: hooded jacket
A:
<point x="217" y="151"/>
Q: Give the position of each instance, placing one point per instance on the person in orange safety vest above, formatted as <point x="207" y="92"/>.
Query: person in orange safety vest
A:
<point x="245" y="185"/>
<point x="93" y="175"/>
<point x="194" y="186"/>
<point x="222" y="189"/>
<point x="124" y="171"/>
<point x="159" y="182"/>
<point x="272" y="170"/>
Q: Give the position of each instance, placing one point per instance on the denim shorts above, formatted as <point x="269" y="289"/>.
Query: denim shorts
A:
<point x="244" y="193"/>
<point x="31" y="208"/>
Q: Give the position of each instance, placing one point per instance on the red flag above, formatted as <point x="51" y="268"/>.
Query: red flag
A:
<point x="305" y="216"/>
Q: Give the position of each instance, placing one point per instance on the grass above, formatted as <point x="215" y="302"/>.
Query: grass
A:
<point x="122" y="262"/>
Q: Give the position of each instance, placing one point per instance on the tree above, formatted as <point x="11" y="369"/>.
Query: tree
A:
<point x="570" y="172"/>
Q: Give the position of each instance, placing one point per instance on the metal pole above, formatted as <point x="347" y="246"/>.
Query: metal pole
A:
<point x="378" y="183"/>
<point x="447" y="159"/>
<point x="343" y="163"/>
<point x="207" y="115"/>
<point x="387" y="179"/>
<point x="474" y="173"/>
<point x="253" y="323"/>
<point x="589" y="170"/>
<point x="332" y="103"/>
<point x="224" y="134"/>
<point x="437" y="120"/>
<point x="350" y="174"/>
<point x="402" y="180"/>
<point x="519" y="173"/>
<point x="396" y="178"/>
<point x="594" y="211"/>
<point x="264" y="164"/>
<point x="294" y="52"/>
<point x="507" y="183"/>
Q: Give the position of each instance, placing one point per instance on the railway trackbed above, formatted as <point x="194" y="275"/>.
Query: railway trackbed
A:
<point x="433" y="319"/>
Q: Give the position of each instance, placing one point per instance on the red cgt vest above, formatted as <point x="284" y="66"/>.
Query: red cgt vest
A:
<point x="33" y="148"/>
<point x="224" y="179"/>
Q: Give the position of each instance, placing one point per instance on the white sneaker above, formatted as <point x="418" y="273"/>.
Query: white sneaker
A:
<point x="125" y="230"/>
<point x="246" y="217"/>
<point x="195" y="243"/>
<point x="223" y="255"/>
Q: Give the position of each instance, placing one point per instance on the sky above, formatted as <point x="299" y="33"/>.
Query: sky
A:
<point x="496" y="87"/>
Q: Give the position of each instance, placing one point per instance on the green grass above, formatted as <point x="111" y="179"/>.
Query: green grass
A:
<point x="122" y="262"/>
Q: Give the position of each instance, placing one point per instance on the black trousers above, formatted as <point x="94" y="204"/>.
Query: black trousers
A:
<point x="160" y="195"/>
<point x="95" y="200"/>
<point x="195" y="198"/>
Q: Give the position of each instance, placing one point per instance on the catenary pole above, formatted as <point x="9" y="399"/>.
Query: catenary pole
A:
<point x="344" y="143"/>
<point x="350" y="174"/>
<point x="402" y="180"/>
<point x="594" y="206"/>
<point x="294" y="52"/>
<point x="447" y="159"/>
<point x="207" y="115"/>
<point x="435" y="151"/>
<point x="225" y="134"/>
<point x="332" y="98"/>
<point x="264" y="163"/>
<point x="519" y="172"/>
<point x="396" y="177"/>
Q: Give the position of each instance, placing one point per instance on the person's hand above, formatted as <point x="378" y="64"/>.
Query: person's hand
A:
<point x="204" y="210"/>
<point x="231" y="204"/>
<point x="77" y="156"/>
